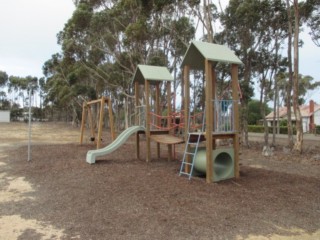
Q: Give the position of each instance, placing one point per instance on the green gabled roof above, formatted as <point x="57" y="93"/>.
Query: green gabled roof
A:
<point x="199" y="51"/>
<point x="151" y="73"/>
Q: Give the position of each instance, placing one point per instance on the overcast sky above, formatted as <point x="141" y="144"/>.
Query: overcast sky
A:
<point x="28" y="30"/>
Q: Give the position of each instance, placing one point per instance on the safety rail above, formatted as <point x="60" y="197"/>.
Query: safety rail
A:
<point x="223" y="117"/>
<point x="196" y="122"/>
<point x="160" y="122"/>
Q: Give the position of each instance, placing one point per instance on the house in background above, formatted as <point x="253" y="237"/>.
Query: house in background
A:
<point x="4" y="116"/>
<point x="310" y="116"/>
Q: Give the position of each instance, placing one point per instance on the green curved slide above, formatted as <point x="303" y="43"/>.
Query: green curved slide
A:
<point x="121" y="139"/>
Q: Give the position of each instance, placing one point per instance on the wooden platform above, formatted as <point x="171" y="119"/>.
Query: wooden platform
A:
<point x="215" y="135"/>
<point x="166" y="139"/>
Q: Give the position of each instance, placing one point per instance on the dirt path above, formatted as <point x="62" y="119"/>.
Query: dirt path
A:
<point x="59" y="196"/>
<point x="16" y="189"/>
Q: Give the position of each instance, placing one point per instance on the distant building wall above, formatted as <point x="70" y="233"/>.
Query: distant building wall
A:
<point x="305" y="124"/>
<point x="4" y="116"/>
<point x="317" y="117"/>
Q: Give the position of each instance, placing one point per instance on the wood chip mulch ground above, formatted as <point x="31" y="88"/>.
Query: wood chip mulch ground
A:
<point x="121" y="197"/>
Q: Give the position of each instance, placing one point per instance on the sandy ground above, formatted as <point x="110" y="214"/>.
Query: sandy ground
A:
<point x="16" y="192"/>
<point x="17" y="189"/>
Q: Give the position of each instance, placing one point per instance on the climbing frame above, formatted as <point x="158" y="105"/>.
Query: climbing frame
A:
<point x="86" y="112"/>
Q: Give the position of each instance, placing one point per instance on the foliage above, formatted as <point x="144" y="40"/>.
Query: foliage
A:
<point x="254" y="115"/>
<point x="306" y="83"/>
<point x="16" y="113"/>
<point x="5" y="105"/>
<point x="312" y="14"/>
<point x="283" y="123"/>
<point x="260" y="129"/>
<point x="3" y="78"/>
<point x="253" y="29"/>
<point x="104" y="40"/>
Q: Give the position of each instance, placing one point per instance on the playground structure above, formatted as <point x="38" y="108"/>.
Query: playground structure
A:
<point x="87" y="112"/>
<point x="220" y="116"/>
<point x="219" y="121"/>
<point x="159" y="128"/>
<point x="152" y="124"/>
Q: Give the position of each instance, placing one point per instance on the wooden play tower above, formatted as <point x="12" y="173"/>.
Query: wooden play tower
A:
<point x="159" y="127"/>
<point x="204" y="57"/>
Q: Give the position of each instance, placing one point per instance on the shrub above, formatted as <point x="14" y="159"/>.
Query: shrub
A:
<point x="260" y="129"/>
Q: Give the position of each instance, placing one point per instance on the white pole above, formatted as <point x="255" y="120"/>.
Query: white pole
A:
<point x="29" y="142"/>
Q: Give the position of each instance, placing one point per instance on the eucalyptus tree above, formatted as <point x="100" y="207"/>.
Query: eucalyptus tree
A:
<point x="15" y="86"/>
<point x="65" y="85"/>
<point x="206" y="14"/>
<point x="313" y="20"/>
<point x="3" y="79"/>
<point x="30" y="86"/>
<point x="42" y="83"/>
<point x="249" y="27"/>
<point x="107" y="39"/>
<point x="290" y="74"/>
<point x="20" y="87"/>
<point x="268" y="61"/>
<point x="3" y="82"/>
<point x="296" y="107"/>
<point x="306" y="83"/>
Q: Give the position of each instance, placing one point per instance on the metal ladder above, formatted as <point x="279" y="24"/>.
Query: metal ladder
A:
<point x="187" y="149"/>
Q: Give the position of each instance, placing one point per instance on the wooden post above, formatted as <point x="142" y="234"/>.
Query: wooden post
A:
<point x="136" y="118"/>
<point x="209" y="120"/>
<point x="170" y="152"/>
<point x="158" y="113"/>
<point x="169" y="106"/>
<point x="136" y="100"/>
<point x="137" y="145"/>
<point x="235" y="97"/>
<point x="93" y="134"/>
<point x="169" y="119"/>
<point x="112" y="127"/>
<point x="83" y="120"/>
<point x="102" y="101"/>
<point x="147" y="91"/>
<point x="186" y="81"/>
<point x="214" y="111"/>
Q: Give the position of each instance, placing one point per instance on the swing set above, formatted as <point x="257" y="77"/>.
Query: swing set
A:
<point x="87" y="112"/>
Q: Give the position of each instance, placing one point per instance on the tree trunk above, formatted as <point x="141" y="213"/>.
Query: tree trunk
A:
<point x="262" y="108"/>
<point x="244" y="124"/>
<point x="245" y="100"/>
<point x="126" y="112"/>
<point x="297" y="113"/>
<point x="289" y="87"/>
<point x="208" y="20"/>
<point x="75" y="119"/>
<point x="275" y="125"/>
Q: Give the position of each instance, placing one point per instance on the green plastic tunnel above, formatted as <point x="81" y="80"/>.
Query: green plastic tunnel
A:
<point x="223" y="163"/>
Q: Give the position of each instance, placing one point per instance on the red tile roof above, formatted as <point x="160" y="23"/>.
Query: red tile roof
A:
<point x="304" y="109"/>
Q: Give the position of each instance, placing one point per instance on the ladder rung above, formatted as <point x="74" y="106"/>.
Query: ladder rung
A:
<point x="195" y="133"/>
<point x="184" y="173"/>
<point x="192" y="143"/>
<point x="194" y="138"/>
<point x="187" y="163"/>
<point x="191" y="153"/>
